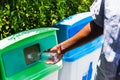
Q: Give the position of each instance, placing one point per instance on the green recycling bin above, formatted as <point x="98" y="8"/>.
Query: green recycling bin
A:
<point x="21" y="55"/>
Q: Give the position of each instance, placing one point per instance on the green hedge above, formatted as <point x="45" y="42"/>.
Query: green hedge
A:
<point x="20" y="15"/>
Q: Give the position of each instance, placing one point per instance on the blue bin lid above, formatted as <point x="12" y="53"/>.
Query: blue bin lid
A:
<point x="76" y="19"/>
<point x="69" y="26"/>
<point x="83" y="50"/>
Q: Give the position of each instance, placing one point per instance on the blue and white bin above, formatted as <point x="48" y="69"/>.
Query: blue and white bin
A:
<point x="79" y="63"/>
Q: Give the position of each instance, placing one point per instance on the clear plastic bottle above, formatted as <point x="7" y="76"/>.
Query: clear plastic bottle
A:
<point x="49" y="57"/>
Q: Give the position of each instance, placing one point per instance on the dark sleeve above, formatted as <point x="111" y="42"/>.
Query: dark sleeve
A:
<point x="97" y="8"/>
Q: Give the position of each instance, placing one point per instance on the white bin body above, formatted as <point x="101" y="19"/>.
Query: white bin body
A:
<point x="53" y="76"/>
<point x="78" y="69"/>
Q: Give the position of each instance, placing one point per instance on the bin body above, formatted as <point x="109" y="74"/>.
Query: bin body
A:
<point x="81" y="63"/>
<point x="21" y="55"/>
<point x="53" y="76"/>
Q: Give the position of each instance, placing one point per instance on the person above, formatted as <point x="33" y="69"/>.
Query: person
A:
<point x="106" y="21"/>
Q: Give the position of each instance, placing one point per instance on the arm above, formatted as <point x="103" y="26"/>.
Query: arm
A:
<point x="88" y="33"/>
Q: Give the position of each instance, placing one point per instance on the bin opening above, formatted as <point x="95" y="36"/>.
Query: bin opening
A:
<point x="32" y="53"/>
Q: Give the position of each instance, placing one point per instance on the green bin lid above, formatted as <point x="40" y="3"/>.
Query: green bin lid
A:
<point x="22" y="35"/>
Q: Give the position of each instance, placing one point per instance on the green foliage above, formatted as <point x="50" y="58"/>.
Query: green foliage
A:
<point x="20" y="15"/>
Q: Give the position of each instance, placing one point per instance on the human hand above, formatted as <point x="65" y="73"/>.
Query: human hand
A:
<point x="56" y="55"/>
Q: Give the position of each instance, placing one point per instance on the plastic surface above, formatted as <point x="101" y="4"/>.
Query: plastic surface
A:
<point x="82" y="69"/>
<point x="72" y="24"/>
<point x="83" y="50"/>
<point x="20" y="55"/>
<point x="53" y="76"/>
<point x="81" y="63"/>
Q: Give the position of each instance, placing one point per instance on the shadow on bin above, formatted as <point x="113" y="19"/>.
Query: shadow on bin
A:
<point x="21" y="55"/>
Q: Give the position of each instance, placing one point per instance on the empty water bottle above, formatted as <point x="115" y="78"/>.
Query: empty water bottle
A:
<point x="50" y="57"/>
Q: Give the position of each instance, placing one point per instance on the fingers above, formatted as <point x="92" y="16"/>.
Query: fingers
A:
<point x="55" y="49"/>
<point x="57" y="57"/>
<point x="50" y="62"/>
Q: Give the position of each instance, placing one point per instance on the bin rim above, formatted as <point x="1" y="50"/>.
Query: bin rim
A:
<point x="83" y="50"/>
